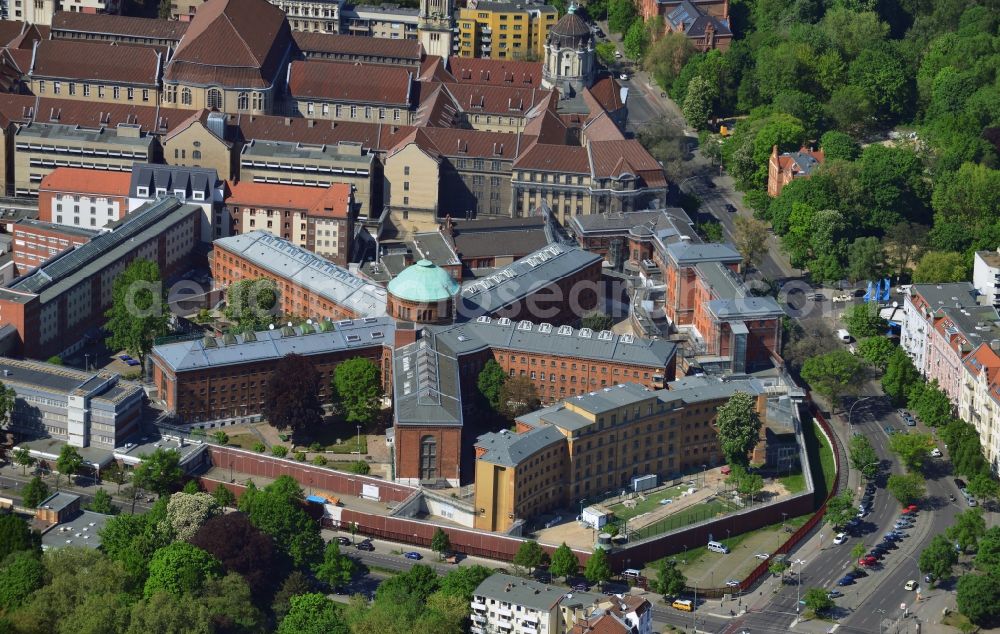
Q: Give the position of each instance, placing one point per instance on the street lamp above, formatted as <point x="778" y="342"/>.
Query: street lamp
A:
<point x="359" y="440"/>
<point x="798" y="584"/>
<point x="853" y="405"/>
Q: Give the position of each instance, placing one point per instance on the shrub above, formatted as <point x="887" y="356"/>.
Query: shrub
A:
<point x="300" y="456"/>
<point x="319" y="461"/>
<point x="279" y="451"/>
<point x="315" y="447"/>
<point x="259" y="447"/>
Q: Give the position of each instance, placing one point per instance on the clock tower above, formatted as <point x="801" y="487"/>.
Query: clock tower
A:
<point x="434" y="26"/>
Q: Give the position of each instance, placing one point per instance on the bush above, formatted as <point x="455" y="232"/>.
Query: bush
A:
<point x="55" y="360"/>
<point x="300" y="456"/>
<point x="315" y="447"/>
<point x="319" y="461"/>
<point x="259" y="447"/>
<point x="279" y="451"/>
<point x="360" y="467"/>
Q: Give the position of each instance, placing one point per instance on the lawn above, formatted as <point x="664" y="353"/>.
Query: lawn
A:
<point x="690" y="515"/>
<point x="819" y="453"/>
<point x="349" y="446"/>
<point x="650" y="503"/>
<point x="337" y="437"/>
<point x="243" y="441"/>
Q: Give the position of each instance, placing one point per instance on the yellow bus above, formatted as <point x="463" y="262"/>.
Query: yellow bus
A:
<point x="685" y="605"/>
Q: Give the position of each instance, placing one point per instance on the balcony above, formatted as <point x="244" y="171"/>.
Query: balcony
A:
<point x="476" y="605"/>
<point x="531" y="619"/>
<point x="486" y="48"/>
<point x="487" y="30"/>
<point x="505" y="613"/>
<point x="475" y="629"/>
<point x="487" y="38"/>
<point x="478" y="618"/>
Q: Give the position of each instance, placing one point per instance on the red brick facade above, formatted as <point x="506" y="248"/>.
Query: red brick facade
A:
<point x="428" y="453"/>
<point x="36" y="242"/>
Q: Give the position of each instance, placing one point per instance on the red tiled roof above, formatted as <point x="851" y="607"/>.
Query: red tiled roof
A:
<point x="437" y="107"/>
<point x="461" y="143"/>
<point x="89" y="114"/>
<point x="377" y="137"/>
<point x="107" y="24"/>
<point x="10" y="29"/>
<point x="331" y="202"/>
<point x="15" y="107"/>
<point x="602" y="128"/>
<point x="603" y="624"/>
<point x="612" y="158"/>
<point x="340" y="81"/>
<point x="92" y="60"/>
<point x="358" y="45"/>
<point x="433" y="69"/>
<point x="86" y="181"/>
<point x="495" y="72"/>
<point x="548" y="127"/>
<point x="502" y="100"/>
<point x="21" y="58"/>
<point x="607" y="92"/>
<point x="235" y="43"/>
<point x="554" y="158"/>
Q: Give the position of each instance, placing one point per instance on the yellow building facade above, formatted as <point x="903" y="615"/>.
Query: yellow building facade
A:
<point x="504" y="30"/>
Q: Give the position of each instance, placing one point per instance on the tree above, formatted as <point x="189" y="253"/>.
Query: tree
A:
<point x="180" y="568"/>
<point x="187" y="512"/>
<point x="937" y="267"/>
<point x="416" y="584"/>
<point x="34" y="492"/>
<point x="440" y="542"/>
<point x="863" y="456"/>
<point x="21" y="575"/>
<point x="191" y="486"/>
<point x="876" y="351"/>
<point x="778" y="567"/>
<point x="666" y="57"/>
<point x="907" y="489"/>
<point x="564" y="562"/>
<point x="863" y="320"/>
<point x="988" y="552"/>
<point x="746" y="484"/>
<point x="837" y="145"/>
<point x="137" y="316"/>
<point x="221" y="437"/>
<point x="931" y="404"/>
<point x="969" y="526"/>
<point x="7" y="399"/>
<point x="979" y="597"/>
<point x="68" y="463"/>
<point x="24" y="458"/>
<point x="938" y="558"/>
<point x="857" y="553"/>
<point x="116" y="473"/>
<point x="606" y="52"/>
<point x="102" y="503"/>
<point x="336" y="569"/>
<point x="131" y="540"/>
<point x="738" y="427"/>
<point x="983" y="486"/>
<point x="913" y="449"/>
<point x="636" y="40"/>
<point x="904" y="243"/>
<point x="159" y="471"/>
<point x="750" y="238"/>
<point x="312" y="614"/>
<point x="817" y="600"/>
<point x="292" y="400"/>
<point x="669" y="581"/>
<point x="529" y="556"/>
<point x="250" y="304"/>
<point x="463" y="581"/>
<point x="597" y="570"/>
<point x="840" y="509"/>
<point x="697" y="106"/>
<point x="229" y="605"/>
<point x="490" y="383"/>
<point x="899" y="376"/>
<point x="518" y="396"/>
<point x="360" y="467"/>
<point x="833" y="375"/>
<point x="277" y="510"/>
<point x="16" y="535"/>
<point x="597" y="321"/>
<point x="970" y="194"/>
<point x="865" y="259"/>
<point x="357" y="389"/>
<point x="621" y="14"/>
<point x="243" y="549"/>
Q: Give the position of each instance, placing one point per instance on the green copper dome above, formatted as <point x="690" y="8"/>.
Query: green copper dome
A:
<point x="424" y="282"/>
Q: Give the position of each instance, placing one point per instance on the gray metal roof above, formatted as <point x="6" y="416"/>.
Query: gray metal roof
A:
<point x="55" y="131"/>
<point x="509" y="449"/>
<point x="953" y="294"/>
<point x="425" y="384"/>
<point x="687" y="253"/>
<point x="173" y="178"/>
<point x="58" y="501"/>
<point x="84" y="530"/>
<point x="745" y="308"/>
<point x="720" y="279"/>
<point x="287" y="150"/>
<point x="556" y="340"/>
<point x="433" y="246"/>
<point x="518" y="591"/>
<point x="513" y="283"/>
<point x="622" y="222"/>
<point x="59" y="379"/>
<point x="309" y="271"/>
<point x="71" y="268"/>
<point x="265" y="345"/>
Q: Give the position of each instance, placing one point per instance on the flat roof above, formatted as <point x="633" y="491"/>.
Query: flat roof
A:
<point x="308" y="270"/>
<point x="290" y="150"/>
<point x="519" y="591"/>
<point x="433" y="246"/>
<point x="83" y="530"/>
<point x="58" y="501"/>
<point x="148" y="442"/>
<point x="58" y="131"/>
<point x="49" y="448"/>
<point x="68" y="230"/>
<point x="65" y="380"/>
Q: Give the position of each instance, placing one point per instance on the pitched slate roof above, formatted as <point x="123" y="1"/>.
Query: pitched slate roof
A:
<point x="370" y="84"/>
<point x="92" y="60"/>
<point x="108" y="24"/>
<point x="173" y="178"/>
<point x="426" y="386"/>
<point x="358" y="45"/>
<point x="235" y="43"/>
<point x="495" y="72"/>
<point x="377" y="137"/>
<point x="509" y="449"/>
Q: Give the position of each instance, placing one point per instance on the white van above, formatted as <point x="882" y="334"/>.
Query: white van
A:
<point x="844" y="336"/>
<point x="631" y="573"/>
<point x="718" y="547"/>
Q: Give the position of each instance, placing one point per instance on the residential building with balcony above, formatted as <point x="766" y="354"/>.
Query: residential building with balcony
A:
<point x="979" y="398"/>
<point x="315" y="16"/>
<point x="385" y="21"/>
<point x="504" y="603"/>
<point x="504" y="30"/>
<point x="986" y="276"/>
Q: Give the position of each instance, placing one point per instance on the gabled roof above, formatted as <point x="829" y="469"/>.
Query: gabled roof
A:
<point x="437" y="107"/>
<point x="369" y="84"/>
<point x="331" y="202"/>
<point x="495" y="72"/>
<point x="86" y="181"/>
<point x="554" y="158"/>
<point x="602" y="128"/>
<point x="548" y="127"/>
<point x="327" y="43"/>
<point x="9" y="30"/>
<point x="377" y="137"/>
<point x="122" y="25"/>
<point x="87" y="114"/>
<point x="19" y="58"/>
<point x="611" y="159"/>
<point x="92" y="60"/>
<point x="802" y="162"/>
<point x="173" y="178"/>
<point x="433" y="69"/>
<point x="498" y="100"/>
<point x="463" y="143"/>
<point x="608" y="93"/>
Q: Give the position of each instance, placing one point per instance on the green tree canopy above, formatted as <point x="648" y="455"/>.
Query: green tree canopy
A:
<point x="597" y="321"/>
<point x="357" y="389"/>
<point x="834" y="374"/>
<point x="865" y="259"/>
<point x="16" y="535"/>
<point x="738" y="425"/>
<point x="937" y="267"/>
<point x="669" y="580"/>
<point x="938" y="558"/>
<point x="277" y="510"/>
<point x="931" y="404"/>
<point x="598" y="569"/>
<point x="22" y="573"/>
<point x="440" y="542"/>
<point x="102" y="503"/>
<point x="34" y="492"/>
<point x="907" y="489"/>
<point x="138" y="314"/>
<point x="530" y="555"/>
<point x="877" y="351"/>
<point x="979" y="597"/>
<point x="337" y="569"/>
<point x="817" y="600"/>
<point x="899" y="376"/>
<point x="840" y="509"/>
<point x="863" y="456"/>
<point x="180" y="568"/>
<point x="969" y="526"/>
<point x="636" y="40"/>
<point x="863" y="320"/>
<point x="22" y="456"/>
<point x="837" y="145"/>
<point x="913" y="449"/>
<point x="159" y="471"/>
<point x="490" y="383"/>
<point x="621" y="14"/>
<point x="312" y="613"/>
<point x="463" y="581"/>
<point x="251" y="304"/>
<point x="564" y="562"/>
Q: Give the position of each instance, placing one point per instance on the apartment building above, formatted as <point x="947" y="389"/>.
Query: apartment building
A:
<point x="608" y="436"/>
<point x="225" y="378"/>
<point x="42" y="12"/>
<point x="369" y="92"/>
<point x="504" y="30"/>
<point x="36" y="242"/>
<point x="602" y="177"/>
<point x="979" y="398"/>
<point x="78" y="197"/>
<point x="507" y="603"/>
<point x="73" y="25"/>
<point x="316" y="219"/>
<point x="308" y="285"/>
<point x="96" y="71"/>
<point x="42" y="147"/>
<point x="359" y="48"/>
<point x="190" y="185"/>
<point x="315" y="16"/>
<point x="53" y="307"/>
<point x="383" y="21"/>
<point x="986" y="275"/>
<point x="309" y="165"/>
<point x="82" y="409"/>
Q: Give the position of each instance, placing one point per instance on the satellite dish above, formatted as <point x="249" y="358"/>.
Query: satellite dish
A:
<point x="270" y="326"/>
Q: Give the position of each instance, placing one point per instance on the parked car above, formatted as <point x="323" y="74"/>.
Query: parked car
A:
<point x="413" y="555"/>
<point x="731" y="208"/>
<point x="343" y="541"/>
<point x="732" y="583"/>
<point x="623" y="77"/>
<point x="834" y="594"/>
<point x="846" y="580"/>
<point x="912" y="508"/>
<point x="618" y="54"/>
<point x="876" y="553"/>
<point x="935" y="453"/>
<point x="867" y="560"/>
<point x="870" y="488"/>
<point x="960" y="483"/>
<point x="581" y="587"/>
<point x="910" y="585"/>
<point x="889" y="429"/>
<point x="840" y="539"/>
<point x="365" y="545"/>
<point x="761" y="555"/>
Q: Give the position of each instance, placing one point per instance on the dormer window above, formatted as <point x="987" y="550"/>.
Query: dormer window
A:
<point x="161" y="191"/>
<point x="199" y="195"/>
<point x="180" y="193"/>
<point x="142" y="192"/>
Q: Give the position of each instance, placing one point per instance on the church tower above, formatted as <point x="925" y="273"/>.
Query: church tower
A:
<point x="434" y="26"/>
<point x="569" y="55"/>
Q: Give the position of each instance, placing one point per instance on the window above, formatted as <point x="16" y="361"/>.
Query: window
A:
<point x="196" y="154"/>
<point x="116" y="92"/>
<point x="213" y="99"/>
<point x="86" y="90"/>
<point x="354" y="112"/>
<point x="56" y="87"/>
<point x="100" y="92"/>
<point x="145" y="94"/>
<point x="428" y="458"/>
<point x="41" y="87"/>
<point x="130" y="92"/>
<point x="72" y="88"/>
<point x="243" y="101"/>
<point x="406" y="170"/>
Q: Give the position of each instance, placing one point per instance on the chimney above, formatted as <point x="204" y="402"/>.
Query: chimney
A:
<point x="288" y="121"/>
<point x="312" y="123"/>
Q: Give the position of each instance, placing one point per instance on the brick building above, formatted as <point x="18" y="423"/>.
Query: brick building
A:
<point x="74" y="195"/>
<point x="55" y="305"/>
<point x="320" y="220"/>
<point x="308" y="285"/>
<point x="783" y="168"/>
<point x="224" y="379"/>
<point x="36" y="242"/>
